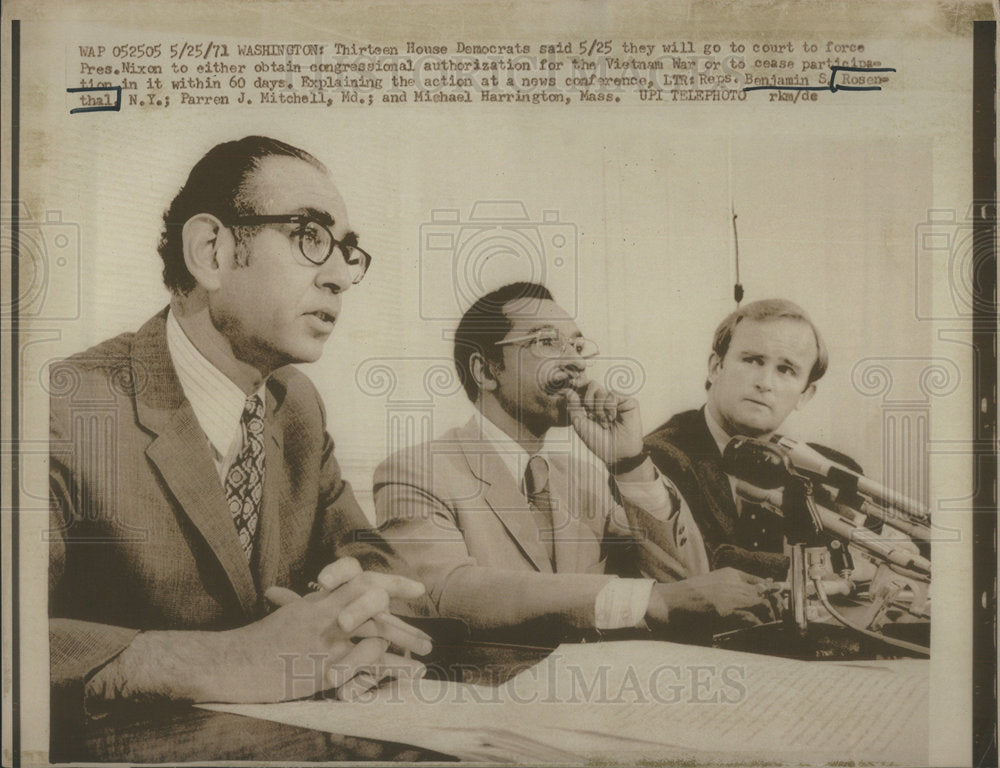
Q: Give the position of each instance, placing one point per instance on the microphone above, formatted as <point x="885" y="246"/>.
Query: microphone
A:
<point x="835" y="525"/>
<point x="765" y="497"/>
<point x="915" y="530"/>
<point x="758" y="463"/>
<point x="807" y="459"/>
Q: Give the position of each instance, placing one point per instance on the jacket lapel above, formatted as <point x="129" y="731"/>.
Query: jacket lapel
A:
<point x="183" y="457"/>
<point x="502" y="494"/>
<point x="717" y="489"/>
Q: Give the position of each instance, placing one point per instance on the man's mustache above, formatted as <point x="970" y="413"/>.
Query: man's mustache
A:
<point x="562" y="380"/>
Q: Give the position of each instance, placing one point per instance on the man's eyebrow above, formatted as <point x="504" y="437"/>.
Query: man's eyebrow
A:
<point x="323" y="217"/>
<point x="537" y="328"/>
<point x="549" y="327"/>
<point x="350" y="238"/>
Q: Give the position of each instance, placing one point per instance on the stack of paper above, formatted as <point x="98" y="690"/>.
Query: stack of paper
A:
<point x="628" y="701"/>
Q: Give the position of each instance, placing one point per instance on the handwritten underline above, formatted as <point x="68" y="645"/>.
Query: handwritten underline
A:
<point x="833" y="86"/>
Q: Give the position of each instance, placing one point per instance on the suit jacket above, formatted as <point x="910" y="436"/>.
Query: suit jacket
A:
<point x="455" y="512"/>
<point x="683" y="449"/>
<point x="141" y="535"/>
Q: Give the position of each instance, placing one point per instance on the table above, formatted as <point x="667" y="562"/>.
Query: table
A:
<point x="177" y="733"/>
<point x="180" y="733"/>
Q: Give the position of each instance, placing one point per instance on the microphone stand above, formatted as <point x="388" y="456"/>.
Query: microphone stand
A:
<point x="823" y="567"/>
<point x="807" y="550"/>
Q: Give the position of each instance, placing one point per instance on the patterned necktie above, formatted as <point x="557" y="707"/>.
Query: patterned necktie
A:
<point x="245" y="479"/>
<point x="536" y="482"/>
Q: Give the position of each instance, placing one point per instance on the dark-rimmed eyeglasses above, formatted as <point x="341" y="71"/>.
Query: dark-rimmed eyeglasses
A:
<point x="316" y="241"/>
<point x="550" y="343"/>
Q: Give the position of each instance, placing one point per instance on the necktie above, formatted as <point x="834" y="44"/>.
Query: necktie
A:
<point x="536" y="482"/>
<point x="245" y="479"/>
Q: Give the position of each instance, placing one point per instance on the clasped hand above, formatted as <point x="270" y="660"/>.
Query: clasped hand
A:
<point x="335" y="638"/>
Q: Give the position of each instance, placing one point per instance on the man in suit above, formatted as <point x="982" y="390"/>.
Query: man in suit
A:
<point x="509" y="533"/>
<point x="766" y="359"/>
<point x="192" y="479"/>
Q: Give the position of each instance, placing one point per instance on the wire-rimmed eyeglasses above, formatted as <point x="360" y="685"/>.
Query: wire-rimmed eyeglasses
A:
<point x="550" y="343"/>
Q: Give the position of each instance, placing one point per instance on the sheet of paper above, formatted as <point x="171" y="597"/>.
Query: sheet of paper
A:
<point x="648" y="700"/>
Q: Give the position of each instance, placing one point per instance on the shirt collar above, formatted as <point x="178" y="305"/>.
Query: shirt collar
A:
<point x="514" y="457"/>
<point x="215" y="399"/>
<point x="719" y="435"/>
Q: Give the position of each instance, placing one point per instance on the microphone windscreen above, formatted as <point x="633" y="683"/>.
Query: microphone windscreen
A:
<point x="758" y="463"/>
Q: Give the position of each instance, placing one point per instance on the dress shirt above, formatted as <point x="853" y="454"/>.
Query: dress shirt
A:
<point x="622" y="602"/>
<point x="215" y="399"/>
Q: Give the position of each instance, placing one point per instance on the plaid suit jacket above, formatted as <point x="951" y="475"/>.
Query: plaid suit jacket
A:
<point x="141" y="537"/>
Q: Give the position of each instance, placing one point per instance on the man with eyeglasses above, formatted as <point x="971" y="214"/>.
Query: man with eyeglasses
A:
<point x="195" y="494"/>
<point x="508" y="532"/>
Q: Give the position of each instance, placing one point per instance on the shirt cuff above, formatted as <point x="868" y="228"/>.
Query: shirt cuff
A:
<point x="623" y="603"/>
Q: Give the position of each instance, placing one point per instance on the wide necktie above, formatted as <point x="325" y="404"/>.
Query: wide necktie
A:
<point x="536" y="483"/>
<point x="245" y="479"/>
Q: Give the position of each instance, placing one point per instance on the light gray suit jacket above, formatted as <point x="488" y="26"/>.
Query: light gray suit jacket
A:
<point x="456" y="514"/>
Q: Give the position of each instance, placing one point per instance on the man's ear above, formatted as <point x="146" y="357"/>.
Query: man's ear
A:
<point x="714" y="363"/>
<point x="806" y="395"/>
<point x="207" y="245"/>
<point x="481" y="372"/>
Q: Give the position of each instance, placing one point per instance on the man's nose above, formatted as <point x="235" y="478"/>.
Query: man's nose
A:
<point x="333" y="274"/>
<point x="765" y="379"/>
